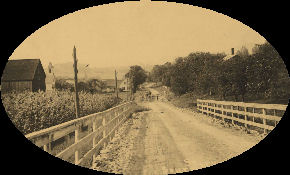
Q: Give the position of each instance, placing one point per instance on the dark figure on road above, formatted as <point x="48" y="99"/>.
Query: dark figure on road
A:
<point x="157" y="97"/>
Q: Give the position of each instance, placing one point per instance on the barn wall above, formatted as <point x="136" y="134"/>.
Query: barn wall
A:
<point x="19" y="86"/>
<point x="38" y="85"/>
<point x="38" y="82"/>
<point x="16" y="86"/>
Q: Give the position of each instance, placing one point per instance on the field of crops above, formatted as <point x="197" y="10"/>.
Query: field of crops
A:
<point x="31" y="112"/>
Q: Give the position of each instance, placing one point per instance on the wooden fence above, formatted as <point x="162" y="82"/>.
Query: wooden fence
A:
<point x="250" y="115"/>
<point x="86" y="143"/>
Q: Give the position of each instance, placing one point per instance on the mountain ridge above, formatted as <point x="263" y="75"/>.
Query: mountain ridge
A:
<point x="65" y="70"/>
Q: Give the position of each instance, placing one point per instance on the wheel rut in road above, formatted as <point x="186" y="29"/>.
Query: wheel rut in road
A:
<point x="167" y="141"/>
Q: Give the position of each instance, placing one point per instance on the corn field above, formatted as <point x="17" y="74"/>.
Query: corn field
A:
<point x="33" y="111"/>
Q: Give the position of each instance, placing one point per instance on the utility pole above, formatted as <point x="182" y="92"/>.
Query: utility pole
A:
<point x="127" y="88"/>
<point x="132" y="93"/>
<point x="77" y="105"/>
<point x="116" y="88"/>
<point x="85" y="71"/>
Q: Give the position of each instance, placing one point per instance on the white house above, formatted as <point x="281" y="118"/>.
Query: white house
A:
<point x="124" y="86"/>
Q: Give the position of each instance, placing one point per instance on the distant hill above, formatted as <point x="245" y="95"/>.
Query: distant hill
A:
<point x="65" y="70"/>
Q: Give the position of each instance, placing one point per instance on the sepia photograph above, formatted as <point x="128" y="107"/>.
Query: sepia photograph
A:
<point x="145" y="88"/>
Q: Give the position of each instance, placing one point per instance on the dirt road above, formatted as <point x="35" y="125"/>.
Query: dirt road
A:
<point x="166" y="140"/>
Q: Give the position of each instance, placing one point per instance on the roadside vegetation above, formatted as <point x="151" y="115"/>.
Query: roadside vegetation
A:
<point x="33" y="111"/>
<point x="137" y="75"/>
<point x="91" y="85"/>
<point x="259" y="77"/>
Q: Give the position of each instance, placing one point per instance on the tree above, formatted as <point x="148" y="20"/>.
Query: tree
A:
<point x="259" y="76"/>
<point x="96" y="85"/>
<point x="243" y="52"/>
<point x="178" y="82"/>
<point x="61" y="84"/>
<point x="137" y="76"/>
<point x="268" y="76"/>
<point x="235" y="69"/>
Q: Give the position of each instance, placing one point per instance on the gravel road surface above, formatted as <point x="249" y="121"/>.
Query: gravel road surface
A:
<point x="167" y="140"/>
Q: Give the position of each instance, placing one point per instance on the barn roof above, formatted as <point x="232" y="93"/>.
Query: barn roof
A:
<point x="111" y="82"/>
<point x="17" y="70"/>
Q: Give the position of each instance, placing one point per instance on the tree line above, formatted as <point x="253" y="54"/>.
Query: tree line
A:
<point x="261" y="75"/>
<point x="136" y="75"/>
<point x="91" y="86"/>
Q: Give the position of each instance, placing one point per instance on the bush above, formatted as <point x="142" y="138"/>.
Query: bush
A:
<point x="33" y="111"/>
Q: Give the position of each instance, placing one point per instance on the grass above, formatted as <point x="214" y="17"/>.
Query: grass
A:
<point x="189" y="100"/>
<point x="138" y="108"/>
<point x="183" y="101"/>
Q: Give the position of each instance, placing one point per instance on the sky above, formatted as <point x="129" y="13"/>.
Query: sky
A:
<point x="130" y="33"/>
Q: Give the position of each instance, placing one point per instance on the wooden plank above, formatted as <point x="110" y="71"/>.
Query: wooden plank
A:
<point x="101" y="142"/>
<point x="268" y="117"/>
<point x="253" y="105"/>
<point x="59" y="127"/>
<point x="46" y="136"/>
<point x="245" y="121"/>
<point x="93" y="150"/>
<point x="56" y="128"/>
<point x="42" y="140"/>
<point x="69" y="151"/>
<point x="264" y="116"/>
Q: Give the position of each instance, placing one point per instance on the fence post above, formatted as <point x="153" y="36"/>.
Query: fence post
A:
<point x="204" y="106"/>
<point x="104" y="131"/>
<point x="201" y="109"/>
<point x="264" y="120"/>
<point x="232" y="108"/>
<point x="208" y="113"/>
<point x="275" y="122"/>
<point x="222" y="106"/>
<point x="94" y="138"/>
<point x="253" y="115"/>
<point x="77" y="136"/>
<point x="245" y="110"/>
<point x="47" y="147"/>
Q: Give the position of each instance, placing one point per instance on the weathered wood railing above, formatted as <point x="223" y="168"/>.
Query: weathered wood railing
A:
<point x="101" y="128"/>
<point x="250" y="115"/>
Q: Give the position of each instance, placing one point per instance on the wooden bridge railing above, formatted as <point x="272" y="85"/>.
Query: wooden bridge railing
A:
<point x="250" y="115"/>
<point x="85" y="145"/>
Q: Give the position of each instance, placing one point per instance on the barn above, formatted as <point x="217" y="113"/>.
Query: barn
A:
<point x="23" y="75"/>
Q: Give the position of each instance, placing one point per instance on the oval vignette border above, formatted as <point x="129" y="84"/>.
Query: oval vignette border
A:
<point x="236" y="162"/>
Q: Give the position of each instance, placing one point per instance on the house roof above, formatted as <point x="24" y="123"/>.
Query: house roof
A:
<point x="16" y="70"/>
<point x="229" y="57"/>
<point x="111" y="82"/>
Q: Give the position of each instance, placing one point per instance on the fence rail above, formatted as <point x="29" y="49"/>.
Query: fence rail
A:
<point x="250" y="115"/>
<point x="100" y="129"/>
